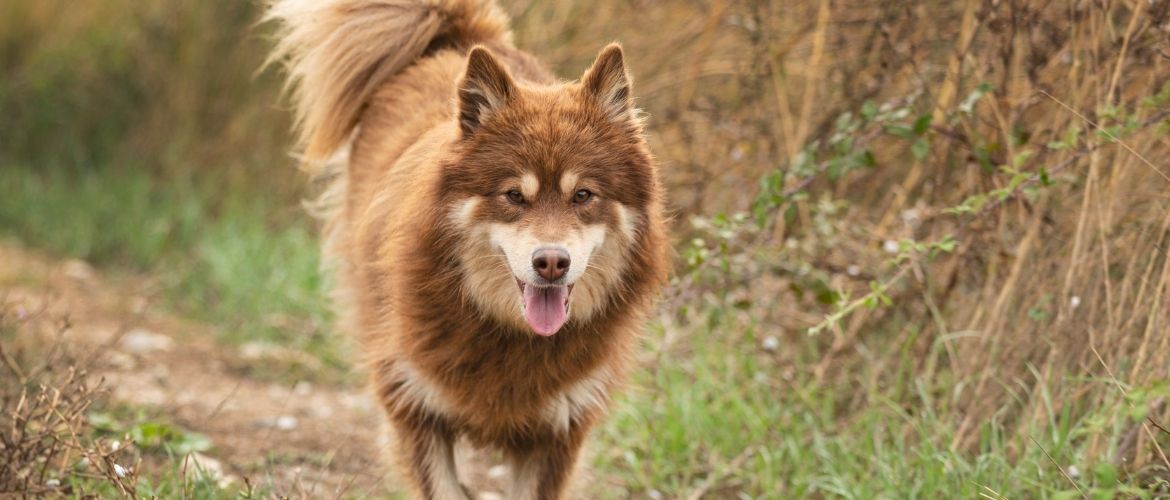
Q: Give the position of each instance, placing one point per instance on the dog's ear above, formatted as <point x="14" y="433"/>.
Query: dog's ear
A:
<point x="608" y="82"/>
<point x="486" y="88"/>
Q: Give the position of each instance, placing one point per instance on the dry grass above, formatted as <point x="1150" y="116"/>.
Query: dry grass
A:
<point x="741" y="88"/>
<point x="1054" y="299"/>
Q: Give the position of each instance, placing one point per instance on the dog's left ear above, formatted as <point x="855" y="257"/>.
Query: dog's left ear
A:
<point x="608" y="82"/>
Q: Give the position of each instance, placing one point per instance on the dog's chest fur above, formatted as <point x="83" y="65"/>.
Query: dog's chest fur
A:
<point x="500" y="410"/>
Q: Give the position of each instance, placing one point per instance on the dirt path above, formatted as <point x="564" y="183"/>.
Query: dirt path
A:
<point x="301" y="439"/>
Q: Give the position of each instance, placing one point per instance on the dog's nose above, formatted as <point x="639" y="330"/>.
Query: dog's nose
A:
<point x="550" y="263"/>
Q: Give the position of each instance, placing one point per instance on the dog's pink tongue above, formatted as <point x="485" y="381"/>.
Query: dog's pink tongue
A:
<point x="546" y="308"/>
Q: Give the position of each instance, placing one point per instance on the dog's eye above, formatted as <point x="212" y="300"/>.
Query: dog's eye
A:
<point x="515" y="196"/>
<point x="582" y="196"/>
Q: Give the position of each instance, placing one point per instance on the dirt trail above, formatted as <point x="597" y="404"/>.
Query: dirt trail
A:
<point x="301" y="439"/>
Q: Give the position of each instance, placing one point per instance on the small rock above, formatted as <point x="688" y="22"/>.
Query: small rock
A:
<point x="321" y="411"/>
<point x="143" y="341"/>
<point x="120" y="360"/>
<point x="286" y="422"/>
<point x="78" y="270"/>
<point x="202" y="466"/>
<point x="257" y="350"/>
<point x="771" y="343"/>
<point x="891" y="246"/>
<point x="302" y="388"/>
<point x="52" y="483"/>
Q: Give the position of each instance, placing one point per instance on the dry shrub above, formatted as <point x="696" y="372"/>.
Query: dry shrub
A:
<point x="46" y="445"/>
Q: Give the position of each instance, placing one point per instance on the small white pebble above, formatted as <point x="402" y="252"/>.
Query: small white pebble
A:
<point x="1074" y="302"/>
<point x="78" y="270"/>
<point x="853" y="270"/>
<point x="120" y="471"/>
<point x="771" y="343"/>
<point x="286" y="422"/>
<point x="890" y="246"/>
<point x="655" y="494"/>
<point x="303" y="388"/>
<point x="498" y="471"/>
<point x="321" y="411"/>
<point x="143" y="341"/>
<point x="115" y="445"/>
<point x="1073" y="472"/>
<point x="53" y="483"/>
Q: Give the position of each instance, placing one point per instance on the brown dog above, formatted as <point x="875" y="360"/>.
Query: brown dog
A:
<point x="497" y="234"/>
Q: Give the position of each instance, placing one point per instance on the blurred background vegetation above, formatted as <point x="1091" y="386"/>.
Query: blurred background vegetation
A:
<point x="922" y="245"/>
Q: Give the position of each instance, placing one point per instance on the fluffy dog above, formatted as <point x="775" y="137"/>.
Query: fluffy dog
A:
<point x="496" y="233"/>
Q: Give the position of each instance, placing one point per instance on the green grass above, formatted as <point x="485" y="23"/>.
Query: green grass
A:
<point x="238" y="259"/>
<point x="165" y="445"/>
<point x="725" y="409"/>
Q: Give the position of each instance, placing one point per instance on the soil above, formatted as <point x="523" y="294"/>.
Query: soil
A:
<point x="302" y="438"/>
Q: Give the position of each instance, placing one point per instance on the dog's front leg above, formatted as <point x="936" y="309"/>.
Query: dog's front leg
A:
<point x="542" y="470"/>
<point x="426" y="456"/>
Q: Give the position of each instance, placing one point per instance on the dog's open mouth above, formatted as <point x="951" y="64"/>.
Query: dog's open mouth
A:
<point x="546" y="308"/>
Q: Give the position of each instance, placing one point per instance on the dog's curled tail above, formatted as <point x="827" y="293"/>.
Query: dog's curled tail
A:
<point x="337" y="52"/>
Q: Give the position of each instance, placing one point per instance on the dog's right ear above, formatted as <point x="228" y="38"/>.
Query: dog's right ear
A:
<point x="486" y="88"/>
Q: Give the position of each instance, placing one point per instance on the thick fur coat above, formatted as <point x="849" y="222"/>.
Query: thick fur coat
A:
<point x="496" y="233"/>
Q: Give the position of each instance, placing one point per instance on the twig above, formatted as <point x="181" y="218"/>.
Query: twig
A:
<point x="1061" y="469"/>
<point x="12" y="365"/>
<point x="1157" y="425"/>
<point x="1108" y="134"/>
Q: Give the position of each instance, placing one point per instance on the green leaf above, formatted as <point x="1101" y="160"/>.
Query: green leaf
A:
<point x="835" y="169"/>
<point x="968" y="104"/>
<point x="900" y="131"/>
<point x="1105" y="474"/>
<point x="1022" y="157"/>
<point x="868" y="159"/>
<point x="869" y="110"/>
<point x="920" y="149"/>
<point x="790" y="214"/>
<point x="922" y="124"/>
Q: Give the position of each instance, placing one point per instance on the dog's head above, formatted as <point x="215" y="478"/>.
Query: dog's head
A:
<point x="551" y="193"/>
